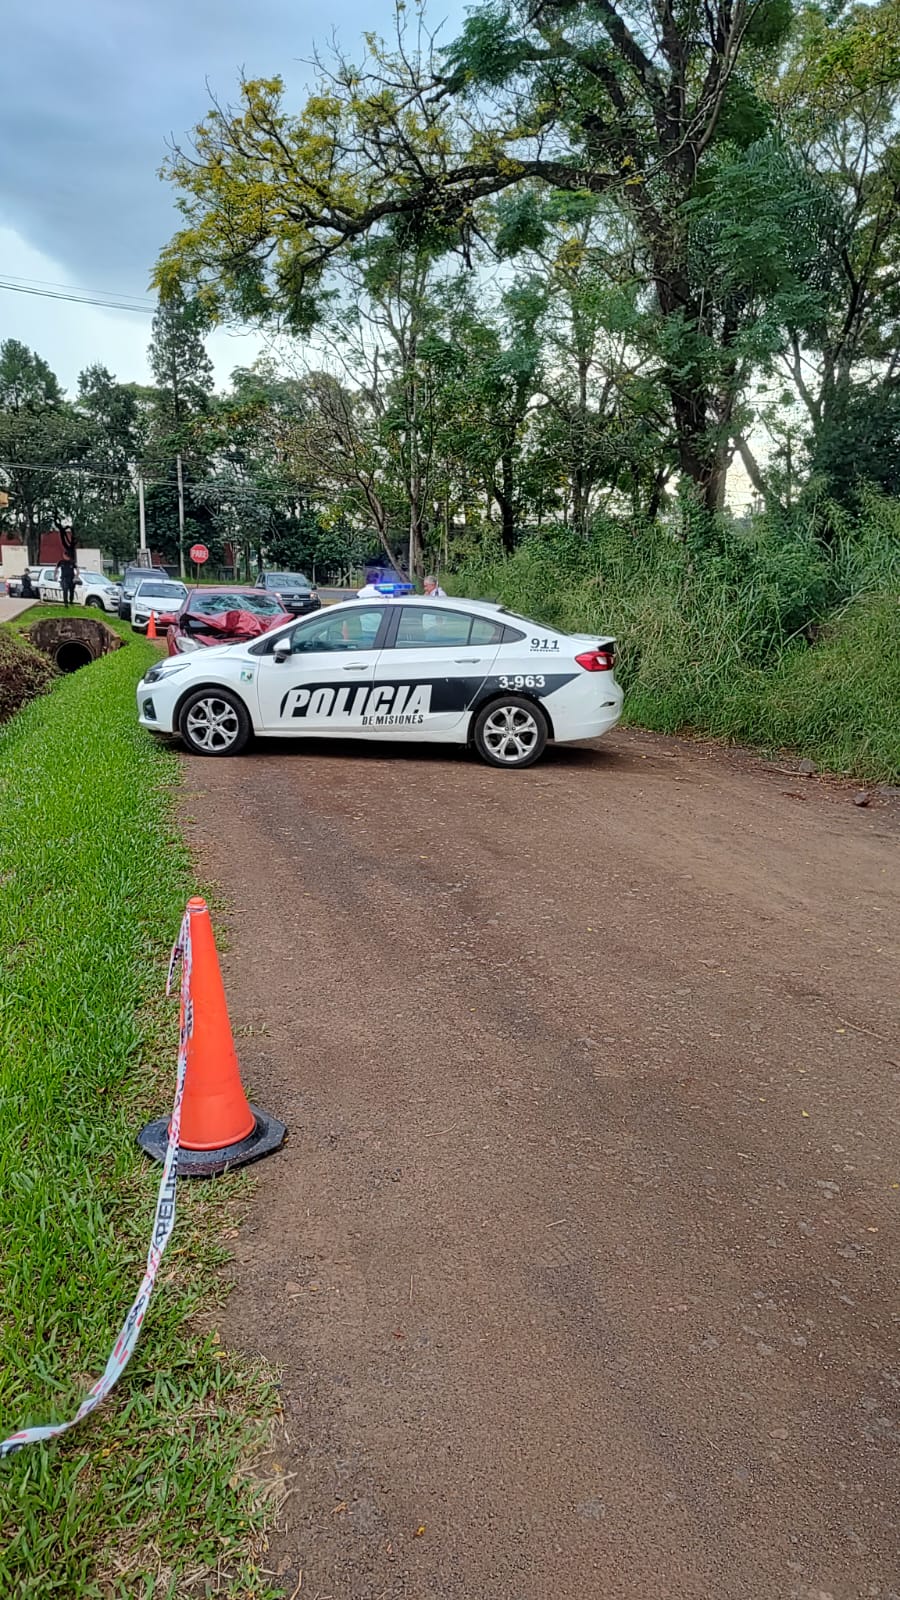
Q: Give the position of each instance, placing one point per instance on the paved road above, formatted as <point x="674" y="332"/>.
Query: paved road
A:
<point x="581" y="1261"/>
<point x="13" y="608"/>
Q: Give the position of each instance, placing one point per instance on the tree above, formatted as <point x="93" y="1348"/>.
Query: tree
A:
<point x="837" y="97"/>
<point x="180" y="408"/>
<point x="42" y="442"/>
<point x="116" y="415"/>
<point x="578" y="98"/>
<point x="489" y="362"/>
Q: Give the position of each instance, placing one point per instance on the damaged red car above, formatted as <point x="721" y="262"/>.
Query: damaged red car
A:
<point x="221" y="616"/>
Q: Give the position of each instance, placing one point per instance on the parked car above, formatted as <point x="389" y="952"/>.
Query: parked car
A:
<point x="222" y="616"/>
<point x="14" y="584"/>
<point x="131" y="577"/>
<point x="95" y="589"/>
<point x="454" y="672"/>
<point x="295" y="592"/>
<point x="386" y="581"/>
<point x="47" y="584"/>
<point x="92" y="589"/>
<point x="161" y="595"/>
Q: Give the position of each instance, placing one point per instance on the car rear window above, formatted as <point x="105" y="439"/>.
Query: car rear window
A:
<point x="216" y="604"/>
<point x="164" y="591"/>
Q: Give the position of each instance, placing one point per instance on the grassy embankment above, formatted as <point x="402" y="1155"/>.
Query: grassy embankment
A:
<point x="774" y="642"/>
<point x="154" y="1490"/>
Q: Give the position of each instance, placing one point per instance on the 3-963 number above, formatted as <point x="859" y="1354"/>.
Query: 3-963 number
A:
<point x="533" y="680"/>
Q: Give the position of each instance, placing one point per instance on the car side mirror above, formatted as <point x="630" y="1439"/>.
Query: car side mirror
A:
<point x="282" y="649"/>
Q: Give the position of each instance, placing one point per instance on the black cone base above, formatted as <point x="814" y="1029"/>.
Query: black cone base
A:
<point x="268" y="1135"/>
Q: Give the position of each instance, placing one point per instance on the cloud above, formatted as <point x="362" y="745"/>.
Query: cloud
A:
<point x="72" y="337"/>
<point x="90" y="96"/>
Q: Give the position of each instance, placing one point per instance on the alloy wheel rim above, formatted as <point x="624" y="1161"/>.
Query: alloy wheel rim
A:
<point x="510" y="734"/>
<point x="213" y="724"/>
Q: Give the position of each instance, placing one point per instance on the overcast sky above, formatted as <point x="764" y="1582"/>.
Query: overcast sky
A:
<point x="91" y="93"/>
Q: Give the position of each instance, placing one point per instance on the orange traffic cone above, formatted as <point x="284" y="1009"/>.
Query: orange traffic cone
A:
<point x="151" y="626"/>
<point x="219" y="1127"/>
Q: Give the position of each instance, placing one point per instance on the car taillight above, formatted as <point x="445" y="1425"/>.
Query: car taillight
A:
<point x="603" y="659"/>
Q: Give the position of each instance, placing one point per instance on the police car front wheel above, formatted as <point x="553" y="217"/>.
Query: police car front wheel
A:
<point x="213" y="722"/>
<point x="511" y="732"/>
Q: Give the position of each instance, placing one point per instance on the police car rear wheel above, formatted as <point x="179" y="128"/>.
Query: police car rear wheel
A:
<point x="213" y="722"/>
<point x="511" y="732"/>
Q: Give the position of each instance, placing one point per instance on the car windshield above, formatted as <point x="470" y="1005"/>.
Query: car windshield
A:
<point x="286" y="580"/>
<point x="93" y="577"/>
<point x="217" y="603"/>
<point x="161" y="591"/>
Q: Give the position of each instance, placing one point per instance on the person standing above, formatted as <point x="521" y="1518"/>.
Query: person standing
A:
<point x="67" y="574"/>
<point x="432" y="588"/>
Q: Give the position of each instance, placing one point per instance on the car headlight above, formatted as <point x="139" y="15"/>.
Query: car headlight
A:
<point x="184" y="644"/>
<point x="165" y="669"/>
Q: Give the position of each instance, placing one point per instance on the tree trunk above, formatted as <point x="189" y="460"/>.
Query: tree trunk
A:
<point x="697" y="455"/>
<point x="580" y="484"/>
<point x="504" y="497"/>
<point x="32" y="538"/>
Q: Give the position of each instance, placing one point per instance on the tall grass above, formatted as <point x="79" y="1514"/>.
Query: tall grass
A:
<point x="774" y="636"/>
<point x="150" y="1492"/>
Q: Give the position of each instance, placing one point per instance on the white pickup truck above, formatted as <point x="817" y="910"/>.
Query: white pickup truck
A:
<point x="92" y="589"/>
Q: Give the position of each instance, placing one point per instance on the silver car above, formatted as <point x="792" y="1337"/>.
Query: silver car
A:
<point x="162" y="596"/>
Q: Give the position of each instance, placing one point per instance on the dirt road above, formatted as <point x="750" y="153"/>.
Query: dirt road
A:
<point x="581" y="1260"/>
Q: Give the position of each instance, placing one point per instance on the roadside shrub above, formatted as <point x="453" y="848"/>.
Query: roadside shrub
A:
<point x="769" y="633"/>
<point x="24" y="673"/>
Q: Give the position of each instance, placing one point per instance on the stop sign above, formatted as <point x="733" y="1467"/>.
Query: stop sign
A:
<point x="198" y="554"/>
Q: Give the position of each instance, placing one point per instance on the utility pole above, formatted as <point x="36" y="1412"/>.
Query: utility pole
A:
<point x="141" y="514"/>
<point x="180" y="516"/>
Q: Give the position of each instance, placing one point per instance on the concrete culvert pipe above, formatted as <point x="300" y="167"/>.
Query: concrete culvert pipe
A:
<point x="73" y="642"/>
<point x="72" y="655"/>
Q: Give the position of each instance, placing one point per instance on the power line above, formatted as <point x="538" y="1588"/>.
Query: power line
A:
<point x="9" y="468"/>
<point x="79" y="297"/>
<point x="77" y="288"/>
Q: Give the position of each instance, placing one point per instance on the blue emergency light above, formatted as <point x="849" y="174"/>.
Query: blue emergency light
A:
<point x="391" y="590"/>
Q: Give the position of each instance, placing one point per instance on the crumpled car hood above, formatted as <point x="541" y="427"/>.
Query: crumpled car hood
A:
<point x="233" y="627"/>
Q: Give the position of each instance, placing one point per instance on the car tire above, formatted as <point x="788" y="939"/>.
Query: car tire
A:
<point x="213" y="722"/>
<point x="94" y="600"/>
<point x="511" y="731"/>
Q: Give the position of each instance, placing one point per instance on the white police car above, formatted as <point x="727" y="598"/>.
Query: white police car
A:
<point x="447" y="671"/>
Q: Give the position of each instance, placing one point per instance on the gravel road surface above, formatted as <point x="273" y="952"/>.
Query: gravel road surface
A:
<point x="580" y="1263"/>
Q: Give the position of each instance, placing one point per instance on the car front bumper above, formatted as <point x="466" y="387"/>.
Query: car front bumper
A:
<point x="156" y="704"/>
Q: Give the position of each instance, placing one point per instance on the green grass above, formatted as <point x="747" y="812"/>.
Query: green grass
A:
<point x="37" y="613"/>
<point x="719" y="645"/>
<point x="153" y="1491"/>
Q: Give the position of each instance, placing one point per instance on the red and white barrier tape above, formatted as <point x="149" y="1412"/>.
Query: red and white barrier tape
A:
<point x="163" y="1224"/>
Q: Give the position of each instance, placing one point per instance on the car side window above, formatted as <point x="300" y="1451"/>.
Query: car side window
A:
<point x="424" y="627"/>
<point x="485" y="631"/>
<point x="342" y="630"/>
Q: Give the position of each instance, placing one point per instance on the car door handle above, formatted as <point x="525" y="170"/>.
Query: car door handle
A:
<point x="466" y="661"/>
<point x="355" y="669"/>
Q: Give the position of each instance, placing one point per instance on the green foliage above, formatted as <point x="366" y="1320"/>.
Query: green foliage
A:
<point x="768" y="639"/>
<point x="156" y="1479"/>
<point x="26" y="381"/>
<point x="24" y="673"/>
